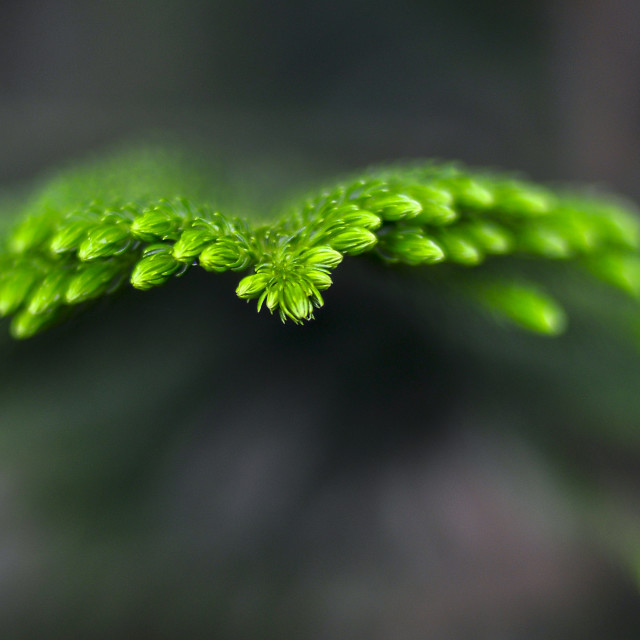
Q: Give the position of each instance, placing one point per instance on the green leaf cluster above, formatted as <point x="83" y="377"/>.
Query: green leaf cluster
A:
<point x="77" y="240"/>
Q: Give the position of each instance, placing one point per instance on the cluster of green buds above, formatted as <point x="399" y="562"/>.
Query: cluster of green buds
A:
<point x="291" y="281"/>
<point x="92" y="251"/>
<point x="417" y="215"/>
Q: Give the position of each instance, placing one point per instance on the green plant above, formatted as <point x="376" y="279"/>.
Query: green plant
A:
<point x="144" y="218"/>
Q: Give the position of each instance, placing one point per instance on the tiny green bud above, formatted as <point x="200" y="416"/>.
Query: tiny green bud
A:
<point x="252" y="286"/>
<point x="15" y="287"/>
<point x="459" y="248"/>
<point x="490" y="237"/>
<point x="523" y="199"/>
<point x="525" y="306"/>
<point x="411" y="247"/>
<point x="32" y="232"/>
<point x="120" y="216"/>
<point x="366" y="188"/>
<point x="470" y="193"/>
<point x="191" y="243"/>
<point x="224" y="254"/>
<point x="545" y="241"/>
<point x="313" y="293"/>
<point x="105" y="241"/>
<point x="26" y="324"/>
<point x="439" y="194"/>
<point x="618" y="226"/>
<point x="158" y="223"/>
<point x="273" y="297"/>
<point x="155" y="267"/>
<point x="393" y="207"/>
<point x="353" y="216"/>
<point x="323" y="257"/>
<point x="51" y="291"/>
<point x="353" y="240"/>
<point x="92" y="280"/>
<point x="320" y="279"/>
<point x="72" y="234"/>
<point x="620" y="270"/>
<point x="436" y="204"/>
<point x="579" y="230"/>
<point x="294" y="302"/>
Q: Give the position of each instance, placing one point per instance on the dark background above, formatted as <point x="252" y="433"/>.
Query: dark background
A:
<point x="551" y="88"/>
<point x="175" y="466"/>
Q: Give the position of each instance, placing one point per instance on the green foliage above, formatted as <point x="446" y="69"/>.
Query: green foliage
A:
<point x="89" y="231"/>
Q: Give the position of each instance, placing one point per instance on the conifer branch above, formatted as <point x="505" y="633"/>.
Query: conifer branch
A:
<point x="69" y="249"/>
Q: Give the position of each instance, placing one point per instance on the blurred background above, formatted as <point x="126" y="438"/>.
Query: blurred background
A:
<point x="174" y="466"/>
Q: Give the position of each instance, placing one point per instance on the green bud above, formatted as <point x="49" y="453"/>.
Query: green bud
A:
<point x="15" y="287"/>
<point x="366" y="188"/>
<point x="353" y="216"/>
<point x="51" y="291"/>
<point x="490" y="237"/>
<point x="436" y="204"/>
<point x="320" y="279"/>
<point x="459" y="248"/>
<point x="313" y="293"/>
<point x="72" y="234"/>
<point x="525" y="306"/>
<point x="224" y="254"/>
<point x="105" y="241"/>
<point x="294" y="302"/>
<point x="618" y="227"/>
<point x="272" y="297"/>
<point x="252" y="286"/>
<point x="26" y="324"/>
<point x="522" y="199"/>
<point x="620" y="270"/>
<point x="545" y="241"/>
<point x="155" y="267"/>
<point x="411" y="247"/>
<point x="323" y="257"/>
<point x="121" y="216"/>
<point x="436" y="214"/>
<point x="393" y="207"/>
<point x="92" y="280"/>
<point x="471" y="194"/>
<point x="32" y="232"/>
<point x="353" y="240"/>
<point x="579" y="230"/>
<point x="159" y="223"/>
<point x="439" y="194"/>
<point x="191" y="243"/>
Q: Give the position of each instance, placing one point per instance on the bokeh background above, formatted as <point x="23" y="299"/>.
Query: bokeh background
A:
<point x="174" y="466"/>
